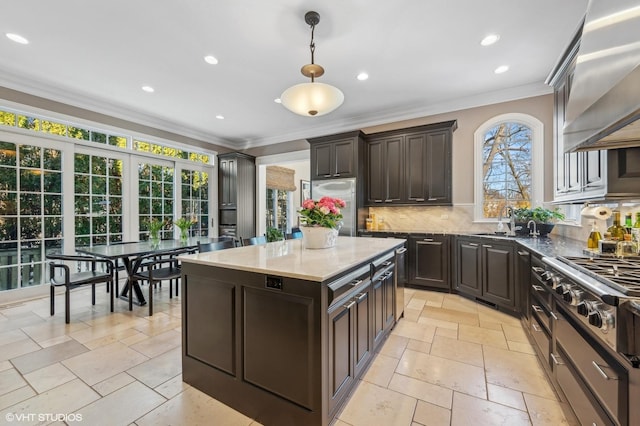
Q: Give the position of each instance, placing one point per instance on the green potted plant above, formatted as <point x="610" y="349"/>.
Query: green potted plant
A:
<point x="274" y="234"/>
<point x="155" y="226"/>
<point x="545" y="219"/>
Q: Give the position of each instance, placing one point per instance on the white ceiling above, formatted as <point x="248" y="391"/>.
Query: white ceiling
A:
<point x="423" y="58"/>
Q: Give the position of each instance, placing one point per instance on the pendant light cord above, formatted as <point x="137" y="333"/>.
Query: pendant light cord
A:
<point x="312" y="47"/>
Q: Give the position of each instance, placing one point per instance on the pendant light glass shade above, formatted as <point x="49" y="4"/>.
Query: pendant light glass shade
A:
<point x="312" y="99"/>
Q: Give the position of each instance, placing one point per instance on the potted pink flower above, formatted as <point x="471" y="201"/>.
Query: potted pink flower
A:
<point x="320" y="221"/>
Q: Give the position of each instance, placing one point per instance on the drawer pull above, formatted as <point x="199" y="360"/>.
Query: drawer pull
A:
<point x="387" y="263"/>
<point x="537" y="269"/>
<point x="536" y="308"/>
<point x="601" y="371"/>
<point x="327" y="176"/>
<point x="556" y="359"/>
<point x="401" y="250"/>
<point x="487" y="246"/>
<point x="388" y="200"/>
<point x="361" y="296"/>
<point x="537" y="287"/>
<point x="377" y="201"/>
<point x="419" y="200"/>
<point x="536" y="328"/>
<point x="349" y="305"/>
<point x="523" y="253"/>
<point x="432" y="199"/>
<point x="473" y="244"/>
<point x="554" y="316"/>
<point x="355" y="283"/>
<point x="429" y="240"/>
<point x="336" y="175"/>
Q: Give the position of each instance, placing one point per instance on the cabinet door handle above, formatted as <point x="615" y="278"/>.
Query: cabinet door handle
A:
<point x="523" y="253"/>
<point x="536" y="308"/>
<point x="336" y="175"/>
<point x="388" y="200"/>
<point x="327" y="175"/>
<point x="401" y="250"/>
<point x="355" y="283"/>
<point x="473" y="244"/>
<point x="537" y="287"/>
<point x="377" y="201"/>
<point x="349" y="305"/>
<point x="429" y="240"/>
<point x="537" y="269"/>
<point x="361" y="296"/>
<point x="419" y="200"/>
<point x="387" y="263"/>
<point x="554" y="316"/>
<point x="432" y="199"/>
<point x="536" y="328"/>
<point x="487" y="246"/>
<point x="556" y="359"/>
<point x="601" y="371"/>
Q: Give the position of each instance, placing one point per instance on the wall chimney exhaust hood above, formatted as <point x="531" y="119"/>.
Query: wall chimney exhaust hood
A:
<point x="603" y="108"/>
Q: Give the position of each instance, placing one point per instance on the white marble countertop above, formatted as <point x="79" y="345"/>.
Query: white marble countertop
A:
<point x="289" y="258"/>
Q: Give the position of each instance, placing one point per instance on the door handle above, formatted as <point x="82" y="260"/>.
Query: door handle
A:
<point x="536" y="328"/>
<point x="429" y="240"/>
<point x="419" y="200"/>
<point x="355" y="283"/>
<point x="473" y="244"/>
<point x="361" y="296"/>
<point x="401" y="250"/>
<point x="336" y="175"/>
<point x="537" y="287"/>
<point x="556" y="359"/>
<point x="487" y="246"/>
<point x="350" y="304"/>
<point x="536" y="308"/>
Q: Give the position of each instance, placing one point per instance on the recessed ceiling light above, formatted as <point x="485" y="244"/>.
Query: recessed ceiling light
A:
<point x="220" y="117"/>
<point x="490" y="39"/>
<point x="17" y="38"/>
<point x="210" y="60"/>
<point x="501" y="69"/>
<point x="277" y="100"/>
<point x="148" y="89"/>
<point x="362" y="76"/>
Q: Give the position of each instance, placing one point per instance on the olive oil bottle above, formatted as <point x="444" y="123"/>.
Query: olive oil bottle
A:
<point x="593" y="242"/>
<point x="617" y="232"/>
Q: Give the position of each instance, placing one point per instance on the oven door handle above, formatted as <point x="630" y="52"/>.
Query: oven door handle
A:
<point x="602" y="372"/>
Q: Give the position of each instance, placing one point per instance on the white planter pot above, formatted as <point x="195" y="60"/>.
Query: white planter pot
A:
<point x="317" y="237"/>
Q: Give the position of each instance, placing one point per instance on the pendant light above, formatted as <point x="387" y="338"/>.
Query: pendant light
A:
<point x="312" y="99"/>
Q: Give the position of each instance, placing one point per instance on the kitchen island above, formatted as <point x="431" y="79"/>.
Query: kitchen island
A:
<point x="281" y="333"/>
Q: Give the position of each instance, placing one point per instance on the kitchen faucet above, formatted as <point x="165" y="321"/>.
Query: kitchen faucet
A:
<point x="512" y="220"/>
<point x="535" y="232"/>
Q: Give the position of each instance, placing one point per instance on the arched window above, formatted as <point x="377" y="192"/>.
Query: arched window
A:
<point x="508" y="164"/>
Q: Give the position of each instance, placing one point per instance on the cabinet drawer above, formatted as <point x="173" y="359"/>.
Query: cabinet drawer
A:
<point x="541" y="338"/>
<point x="541" y="310"/>
<point x="585" y="408"/>
<point x="605" y="378"/>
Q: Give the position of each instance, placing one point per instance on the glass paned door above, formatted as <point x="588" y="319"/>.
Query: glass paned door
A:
<point x="195" y="200"/>
<point x="30" y="212"/>
<point x="155" y="198"/>
<point x="98" y="186"/>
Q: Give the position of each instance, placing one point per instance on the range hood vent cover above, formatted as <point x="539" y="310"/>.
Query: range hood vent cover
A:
<point x="604" y="98"/>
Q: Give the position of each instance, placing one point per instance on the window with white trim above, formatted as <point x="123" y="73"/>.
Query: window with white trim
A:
<point x="508" y="153"/>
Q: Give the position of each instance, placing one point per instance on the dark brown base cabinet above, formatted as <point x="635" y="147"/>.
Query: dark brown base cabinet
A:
<point x="287" y="356"/>
<point x="485" y="269"/>
<point x="429" y="261"/>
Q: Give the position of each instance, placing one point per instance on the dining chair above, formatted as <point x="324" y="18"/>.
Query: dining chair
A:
<point x="218" y="245"/>
<point x="156" y="268"/>
<point x="253" y="241"/>
<point x="71" y="280"/>
<point x="295" y="234"/>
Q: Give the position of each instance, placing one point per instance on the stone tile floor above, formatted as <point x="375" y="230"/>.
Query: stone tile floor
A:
<point x="450" y="361"/>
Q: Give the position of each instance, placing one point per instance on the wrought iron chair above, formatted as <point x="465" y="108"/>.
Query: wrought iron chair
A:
<point x="253" y="241"/>
<point x="71" y="280"/>
<point x="156" y="268"/>
<point x="218" y="245"/>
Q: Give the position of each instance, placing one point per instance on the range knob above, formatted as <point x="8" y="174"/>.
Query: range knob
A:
<point x="595" y="318"/>
<point x="566" y="294"/>
<point x="559" y="287"/>
<point x="576" y="296"/>
<point x="582" y="309"/>
<point x="608" y="321"/>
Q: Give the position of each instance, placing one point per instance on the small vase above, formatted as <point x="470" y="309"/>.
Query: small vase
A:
<point x="184" y="234"/>
<point x="317" y="237"/>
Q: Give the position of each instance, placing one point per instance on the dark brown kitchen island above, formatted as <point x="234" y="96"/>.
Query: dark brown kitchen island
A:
<point x="281" y="333"/>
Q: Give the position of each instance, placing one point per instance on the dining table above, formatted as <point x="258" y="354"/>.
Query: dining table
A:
<point x="129" y="251"/>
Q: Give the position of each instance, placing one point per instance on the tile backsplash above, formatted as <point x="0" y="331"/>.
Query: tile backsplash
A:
<point x="445" y="219"/>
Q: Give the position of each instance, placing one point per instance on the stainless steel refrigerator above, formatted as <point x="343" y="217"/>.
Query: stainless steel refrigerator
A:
<point x="346" y="190"/>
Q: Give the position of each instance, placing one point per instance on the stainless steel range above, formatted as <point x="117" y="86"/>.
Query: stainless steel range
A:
<point x="601" y="292"/>
<point x="596" y="334"/>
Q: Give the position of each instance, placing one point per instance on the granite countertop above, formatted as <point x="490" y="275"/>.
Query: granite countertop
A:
<point x="544" y="246"/>
<point x="289" y="258"/>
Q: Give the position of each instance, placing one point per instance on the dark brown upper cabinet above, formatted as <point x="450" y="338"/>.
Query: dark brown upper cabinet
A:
<point x="410" y="166"/>
<point x="335" y="156"/>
